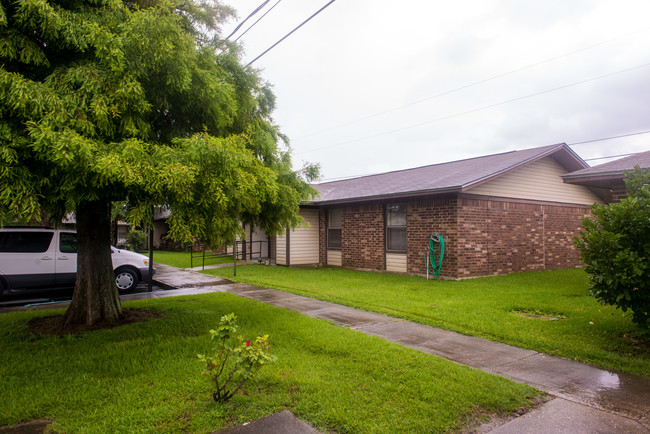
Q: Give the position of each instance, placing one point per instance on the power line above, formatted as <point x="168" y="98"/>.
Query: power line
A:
<point x="489" y="106"/>
<point x="264" y="3"/>
<point x="466" y="86"/>
<point x="611" y="156"/>
<point x="610" y="138"/>
<point x="291" y="32"/>
<point x="258" y="20"/>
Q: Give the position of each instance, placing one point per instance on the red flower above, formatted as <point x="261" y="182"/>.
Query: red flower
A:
<point x="248" y="343"/>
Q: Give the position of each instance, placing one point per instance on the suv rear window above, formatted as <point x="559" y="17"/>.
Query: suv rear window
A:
<point x="25" y="242"/>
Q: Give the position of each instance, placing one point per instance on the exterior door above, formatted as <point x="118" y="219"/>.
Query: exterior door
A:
<point x="66" y="259"/>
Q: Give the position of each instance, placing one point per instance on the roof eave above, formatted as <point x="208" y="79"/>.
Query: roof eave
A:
<point x="400" y="195"/>
<point x="570" y="178"/>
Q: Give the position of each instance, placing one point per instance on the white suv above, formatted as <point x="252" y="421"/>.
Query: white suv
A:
<point x="40" y="258"/>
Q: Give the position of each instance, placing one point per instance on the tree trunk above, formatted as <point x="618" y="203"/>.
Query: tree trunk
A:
<point x="95" y="299"/>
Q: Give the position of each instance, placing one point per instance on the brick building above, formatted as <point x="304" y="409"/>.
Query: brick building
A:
<point x="498" y="214"/>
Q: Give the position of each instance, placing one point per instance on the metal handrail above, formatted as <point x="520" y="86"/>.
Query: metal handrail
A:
<point x="237" y="253"/>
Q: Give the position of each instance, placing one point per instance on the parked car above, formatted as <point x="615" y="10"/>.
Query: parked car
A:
<point x="33" y="259"/>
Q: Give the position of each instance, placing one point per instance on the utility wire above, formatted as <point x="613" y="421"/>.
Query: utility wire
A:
<point x="610" y="138"/>
<point x="264" y="3"/>
<point x="466" y="86"/>
<point x="291" y="32"/>
<point x="611" y="156"/>
<point x="443" y="118"/>
<point x="258" y="20"/>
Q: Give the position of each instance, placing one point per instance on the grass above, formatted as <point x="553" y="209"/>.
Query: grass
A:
<point x="485" y="307"/>
<point x="182" y="259"/>
<point x="146" y="377"/>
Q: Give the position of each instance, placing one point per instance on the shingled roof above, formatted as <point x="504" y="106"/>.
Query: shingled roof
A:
<point x="609" y="171"/>
<point x="454" y="176"/>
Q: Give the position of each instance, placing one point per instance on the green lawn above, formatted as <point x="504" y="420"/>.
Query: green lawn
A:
<point x="485" y="307"/>
<point x="146" y="377"/>
<point x="182" y="259"/>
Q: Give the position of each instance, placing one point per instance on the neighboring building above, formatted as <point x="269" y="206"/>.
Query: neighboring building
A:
<point x="607" y="179"/>
<point x="498" y="214"/>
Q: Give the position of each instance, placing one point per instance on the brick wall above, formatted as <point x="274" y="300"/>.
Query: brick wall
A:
<point x="427" y="216"/>
<point x="561" y="224"/>
<point x="507" y="236"/>
<point x="619" y="192"/>
<point x="362" y="237"/>
<point x="497" y="237"/>
<point x="482" y="237"/>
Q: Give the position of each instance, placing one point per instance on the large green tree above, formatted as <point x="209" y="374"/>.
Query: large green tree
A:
<point x="615" y="246"/>
<point x="105" y="100"/>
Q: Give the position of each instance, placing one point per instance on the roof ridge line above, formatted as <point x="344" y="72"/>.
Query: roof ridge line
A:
<point x="438" y="164"/>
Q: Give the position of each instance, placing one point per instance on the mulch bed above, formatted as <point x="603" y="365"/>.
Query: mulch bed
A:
<point x="31" y="427"/>
<point x="53" y="325"/>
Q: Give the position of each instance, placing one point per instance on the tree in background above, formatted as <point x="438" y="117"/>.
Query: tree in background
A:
<point x="139" y="102"/>
<point x="615" y="246"/>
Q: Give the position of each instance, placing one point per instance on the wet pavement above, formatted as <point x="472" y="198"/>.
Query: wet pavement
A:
<point x="174" y="278"/>
<point x="283" y="422"/>
<point x="585" y="399"/>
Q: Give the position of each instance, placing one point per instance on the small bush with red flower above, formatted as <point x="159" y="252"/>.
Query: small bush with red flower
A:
<point x="233" y="360"/>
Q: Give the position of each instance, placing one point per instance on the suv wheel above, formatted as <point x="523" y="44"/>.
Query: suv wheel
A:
<point x="126" y="280"/>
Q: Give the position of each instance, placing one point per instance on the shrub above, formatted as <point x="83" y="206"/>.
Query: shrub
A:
<point x="136" y="240"/>
<point x="615" y="246"/>
<point x="234" y="359"/>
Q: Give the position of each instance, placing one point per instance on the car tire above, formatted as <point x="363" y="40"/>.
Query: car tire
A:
<point x="126" y="280"/>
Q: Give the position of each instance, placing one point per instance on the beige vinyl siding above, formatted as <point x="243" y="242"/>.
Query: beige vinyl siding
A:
<point x="303" y="241"/>
<point x="334" y="258"/>
<point x="396" y="262"/>
<point x="281" y="249"/>
<point x="540" y="180"/>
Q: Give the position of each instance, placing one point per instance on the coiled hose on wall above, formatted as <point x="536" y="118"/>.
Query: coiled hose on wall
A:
<point x="436" y="249"/>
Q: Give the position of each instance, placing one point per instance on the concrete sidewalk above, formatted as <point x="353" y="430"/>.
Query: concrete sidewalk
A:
<point x="170" y="277"/>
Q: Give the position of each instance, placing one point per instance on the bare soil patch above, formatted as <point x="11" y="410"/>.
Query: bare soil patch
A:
<point x="53" y="325"/>
<point x="31" y="427"/>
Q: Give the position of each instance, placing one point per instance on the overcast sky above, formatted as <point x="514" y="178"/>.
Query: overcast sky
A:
<point x="373" y="86"/>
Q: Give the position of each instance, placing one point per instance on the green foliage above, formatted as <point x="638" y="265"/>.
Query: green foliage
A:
<point x="615" y="246"/>
<point x="108" y="101"/>
<point x="234" y="361"/>
<point x="129" y="101"/>
<point x="136" y="240"/>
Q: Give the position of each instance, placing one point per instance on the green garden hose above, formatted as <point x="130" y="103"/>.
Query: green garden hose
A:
<point x="436" y="248"/>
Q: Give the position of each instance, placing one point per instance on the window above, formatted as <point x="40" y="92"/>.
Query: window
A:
<point x="25" y="242"/>
<point x="396" y="228"/>
<point x="68" y="243"/>
<point x="334" y="228"/>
